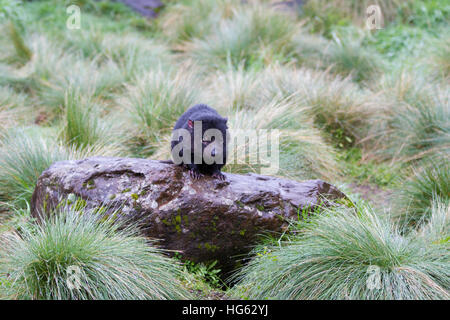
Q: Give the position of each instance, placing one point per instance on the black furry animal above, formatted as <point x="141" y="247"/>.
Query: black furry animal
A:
<point x="196" y="121"/>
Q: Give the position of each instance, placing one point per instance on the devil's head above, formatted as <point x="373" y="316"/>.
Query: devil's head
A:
<point x="209" y="136"/>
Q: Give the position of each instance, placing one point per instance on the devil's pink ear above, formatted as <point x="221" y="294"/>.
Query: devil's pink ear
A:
<point x="190" y="123"/>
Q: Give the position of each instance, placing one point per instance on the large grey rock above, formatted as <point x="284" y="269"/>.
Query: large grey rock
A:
<point x="206" y="219"/>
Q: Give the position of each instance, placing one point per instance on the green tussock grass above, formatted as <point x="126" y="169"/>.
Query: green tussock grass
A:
<point x="336" y="105"/>
<point x="417" y="124"/>
<point x="13" y="107"/>
<point x="429" y="182"/>
<point x="234" y="89"/>
<point x="440" y="54"/>
<point x="25" y="154"/>
<point x="436" y="229"/>
<point x="253" y="35"/>
<point x="47" y="76"/>
<point x="24" y="53"/>
<point x="342" y="56"/>
<point x="131" y="53"/>
<point x="83" y="127"/>
<point x="348" y="58"/>
<point x="303" y="152"/>
<point x="331" y="257"/>
<point x="111" y="263"/>
<point x="157" y="100"/>
<point x="13" y="20"/>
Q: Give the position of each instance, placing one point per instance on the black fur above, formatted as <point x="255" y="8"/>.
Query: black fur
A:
<point x="210" y="119"/>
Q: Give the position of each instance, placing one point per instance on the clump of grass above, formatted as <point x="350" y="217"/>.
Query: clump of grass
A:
<point x="406" y="86"/>
<point x="25" y="154"/>
<point x="23" y="52"/>
<point x="83" y="127"/>
<point x="135" y="55"/>
<point x="322" y="18"/>
<point x="437" y="229"/>
<point x="302" y="152"/>
<point x="12" y="107"/>
<point x="53" y="70"/>
<point x="342" y="56"/>
<point x="440" y="61"/>
<point x="418" y="124"/>
<point x="158" y="99"/>
<point x="309" y="49"/>
<point x="180" y="23"/>
<point x="417" y="194"/>
<point x="85" y="76"/>
<point x="88" y="41"/>
<point x="337" y="106"/>
<point x="132" y="53"/>
<point x="421" y="130"/>
<point x="254" y="35"/>
<point x="234" y="89"/>
<point x="14" y="19"/>
<point x="75" y="255"/>
<point x="340" y="254"/>
<point x="48" y="60"/>
<point x="349" y="58"/>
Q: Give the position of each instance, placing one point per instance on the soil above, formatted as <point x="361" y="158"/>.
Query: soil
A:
<point x="378" y="197"/>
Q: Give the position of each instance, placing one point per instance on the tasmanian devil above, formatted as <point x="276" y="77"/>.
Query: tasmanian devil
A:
<point x="199" y="141"/>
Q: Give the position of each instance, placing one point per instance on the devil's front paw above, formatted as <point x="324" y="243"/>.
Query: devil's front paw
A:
<point x="195" y="174"/>
<point x="219" y="176"/>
